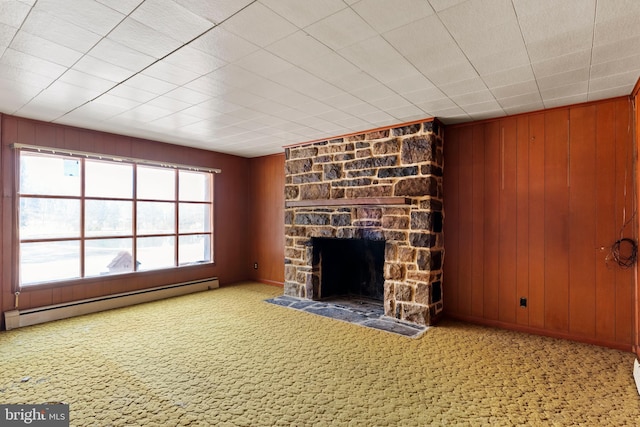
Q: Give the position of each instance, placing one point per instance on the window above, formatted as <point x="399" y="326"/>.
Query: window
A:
<point x="82" y="217"/>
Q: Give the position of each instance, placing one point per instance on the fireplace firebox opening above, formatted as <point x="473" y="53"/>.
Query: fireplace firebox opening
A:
<point x="349" y="267"/>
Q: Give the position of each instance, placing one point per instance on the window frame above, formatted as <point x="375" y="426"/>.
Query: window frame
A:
<point x="134" y="235"/>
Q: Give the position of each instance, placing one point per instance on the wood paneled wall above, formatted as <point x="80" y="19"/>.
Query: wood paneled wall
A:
<point x="266" y="219"/>
<point x="230" y="215"/>
<point x="635" y="97"/>
<point x="533" y="204"/>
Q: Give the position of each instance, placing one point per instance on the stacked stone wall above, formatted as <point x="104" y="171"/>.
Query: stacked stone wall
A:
<point x="403" y="163"/>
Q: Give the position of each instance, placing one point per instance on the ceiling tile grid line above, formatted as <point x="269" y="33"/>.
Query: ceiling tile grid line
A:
<point x="247" y="77"/>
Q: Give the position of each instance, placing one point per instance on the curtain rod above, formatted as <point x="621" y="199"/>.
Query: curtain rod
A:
<point x="18" y="146"/>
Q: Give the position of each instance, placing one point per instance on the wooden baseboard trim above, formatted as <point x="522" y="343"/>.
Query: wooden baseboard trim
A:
<point x="542" y="332"/>
<point x="270" y="282"/>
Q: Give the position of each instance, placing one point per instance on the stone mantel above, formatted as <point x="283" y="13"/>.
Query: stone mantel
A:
<point x="361" y="201"/>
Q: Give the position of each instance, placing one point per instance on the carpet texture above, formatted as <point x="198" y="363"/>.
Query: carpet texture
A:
<point x="227" y="358"/>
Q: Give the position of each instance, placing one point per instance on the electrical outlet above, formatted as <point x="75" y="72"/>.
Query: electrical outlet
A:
<point x="255" y="265"/>
<point x="523" y="302"/>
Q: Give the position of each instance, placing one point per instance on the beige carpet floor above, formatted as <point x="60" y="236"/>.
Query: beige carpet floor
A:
<point x="227" y="358"/>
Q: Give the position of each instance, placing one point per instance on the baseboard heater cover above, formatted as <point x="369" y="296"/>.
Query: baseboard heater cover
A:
<point x="18" y="318"/>
<point x="636" y="374"/>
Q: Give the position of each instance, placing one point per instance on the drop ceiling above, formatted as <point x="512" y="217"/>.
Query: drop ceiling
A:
<point x="249" y="77"/>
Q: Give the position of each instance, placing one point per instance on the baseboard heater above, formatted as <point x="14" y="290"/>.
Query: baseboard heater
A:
<point x="18" y="318"/>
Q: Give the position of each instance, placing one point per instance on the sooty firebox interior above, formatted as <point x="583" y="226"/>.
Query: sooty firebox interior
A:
<point x="350" y="267"/>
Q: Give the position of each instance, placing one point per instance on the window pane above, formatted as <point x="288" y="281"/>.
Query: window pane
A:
<point x="194" y="249"/>
<point x="195" y="186"/>
<point x="49" y="218"/>
<point x="156" y="183"/>
<point x="108" y="218"/>
<point x="48" y="261"/>
<point x="108" y="179"/>
<point x="108" y="256"/>
<point x="156" y="217"/>
<point x="194" y="217"/>
<point x="156" y="252"/>
<point x="49" y="175"/>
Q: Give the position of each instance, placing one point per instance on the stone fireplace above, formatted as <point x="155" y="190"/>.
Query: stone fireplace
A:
<point x="361" y="195"/>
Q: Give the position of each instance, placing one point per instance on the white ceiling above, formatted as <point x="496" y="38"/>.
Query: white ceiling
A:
<point x="249" y="76"/>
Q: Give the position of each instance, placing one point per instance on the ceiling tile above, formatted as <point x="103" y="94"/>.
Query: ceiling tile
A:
<point x="384" y="15"/>
<point x="87" y="81"/>
<point x="133" y="93"/>
<point x="24" y="77"/>
<point x="87" y="14"/>
<point x="562" y="79"/>
<point x="123" y="6"/>
<point x="615" y="66"/>
<point x="234" y="76"/>
<point x="559" y="64"/>
<point x="341" y="29"/>
<point x="615" y="81"/>
<point x="440" y="5"/>
<point x="508" y="76"/>
<point x="379" y="59"/>
<point x="411" y="83"/>
<point x="299" y="48"/>
<point x="616" y="20"/>
<point x="333" y="67"/>
<point x="58" y="31"/>
<point x="521" y="99"/>
<point x="571" y="90"/>
<point x="194" y="60"/>
<point x="614" y="50"/>
<point x="560" y="45"/>
<point x="565" y="100"/>
<point x="171" y="19"/>
<point x="12" y="13"/>
<point x="224" y="45"/>
<point x="7" y="34"/>
<point x="547" y="19"/>
<point x="150" y="84"/>
<point x="354" y="81"/>
<point x="215" y="11"/>
<point x="143" y="38"/>
<point x="436" y="106"/>
<point x="170" y="73"/>
<point x="515" y="89"/>
<point x="99" y="68"/>
<point x="472" y="98"/>
<point x="259" y="25"/>
<point x="42" y="111"/>
<point x="45" y="49"/>
<point x="175" y="121"/>
<point x="311" y="12"/>
<point x="15" y="96"/>
<point x="20" y="60"/>
<point x="209" y="86"/>
<point x="264" y="63"/>
<point x="185" y="94"/>
<point x="144" y="113"/>
<point x="424" y="95"/>
<point x="118" y="54"/>
<point x="610" y="93"/>
<point x="169" y="104"/>
<point x="479" y="17"/>
<point x="115" y="103"/>
<point x="463" y="87"/>
<point x="518" y="109"/>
